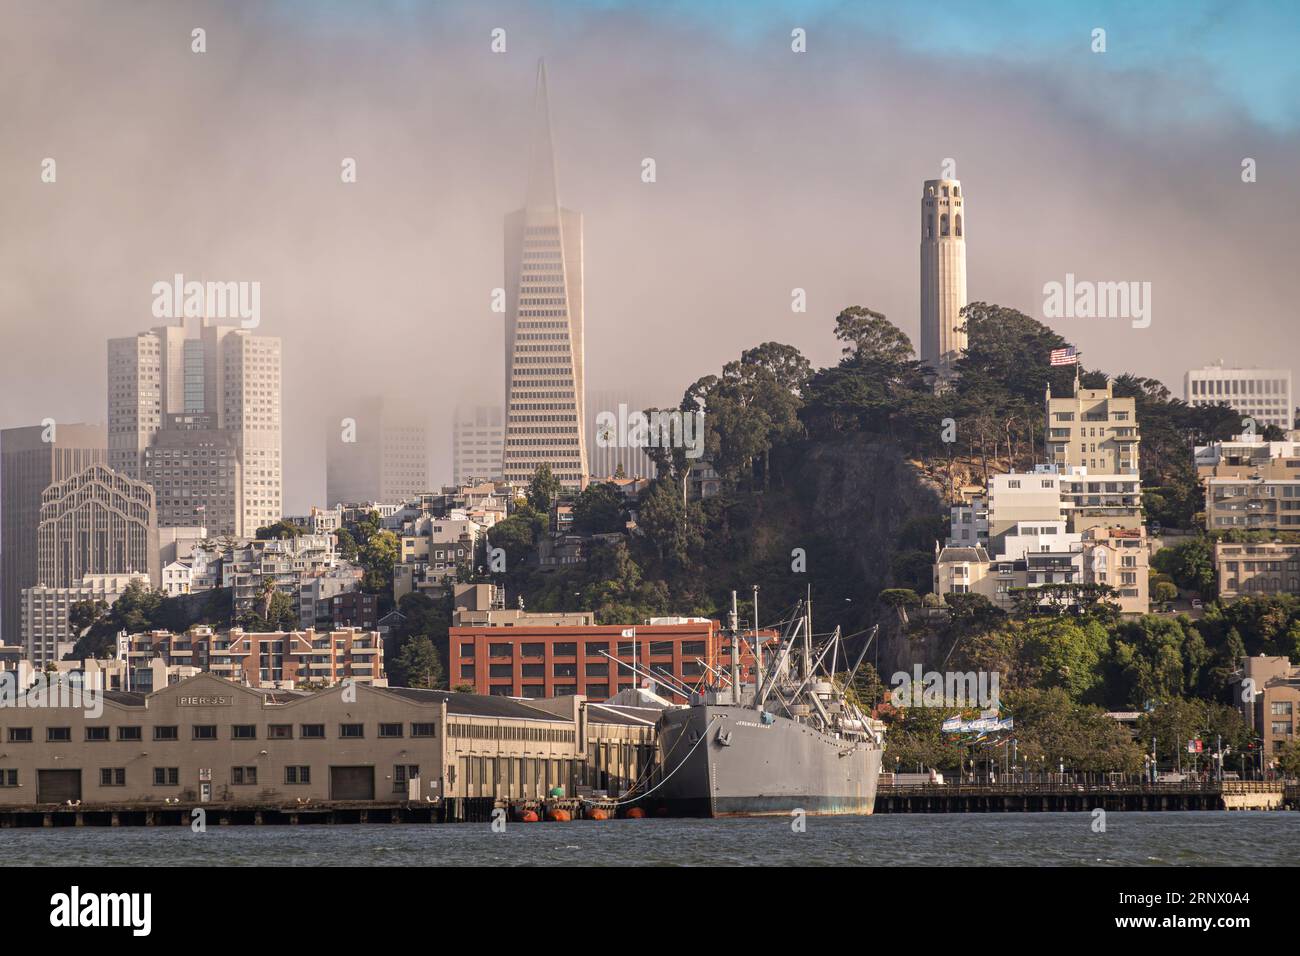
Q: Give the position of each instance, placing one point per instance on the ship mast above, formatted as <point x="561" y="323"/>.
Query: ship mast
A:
<point x="735" y="649"/>
<point x="758" y="649"/>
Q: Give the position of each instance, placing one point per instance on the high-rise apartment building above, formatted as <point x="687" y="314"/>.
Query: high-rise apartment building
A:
<point x="477" y="439"/>
<point x="943" y="274"/>
<point x="376" y="451"/>
<point x="223" y="379"/>
<point x="1093" y="429"/>
<point x="96" y="522"/>
<point x="31" y="459"/>
<point x="545" y="422"/>
<point x="607" y="452"/>
<point x="1262" y="394"/>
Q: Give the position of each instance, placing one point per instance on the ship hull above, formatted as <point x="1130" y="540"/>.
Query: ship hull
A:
<point x="720" y="760"/>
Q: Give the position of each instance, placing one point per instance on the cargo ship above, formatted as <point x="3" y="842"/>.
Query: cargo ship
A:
<point x="777" y="738"/>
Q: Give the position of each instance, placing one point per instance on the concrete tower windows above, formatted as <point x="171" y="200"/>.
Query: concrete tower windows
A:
<point x="957" y="225"/>
<point x="943" y="225"/>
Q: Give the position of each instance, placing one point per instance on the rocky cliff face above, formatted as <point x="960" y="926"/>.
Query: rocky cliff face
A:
<point x="879" y="511"/>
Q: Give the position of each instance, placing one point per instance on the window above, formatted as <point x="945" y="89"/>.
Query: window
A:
<point x="390" y="730"/>
<point x="352" y="730"/>
<point x="243" y="732"/>
<point x="422" y="730"/>
<point x="243" y="776"/>
<point x="112" y="777"/>
<point x="205" y="731"/>
<point x="166" y="776"/>
<point x="96" y="734"/>
<point x="129" y="734"/>
<point x="20" y="735"/>
<point x="58" y="735"/>
<point x="402" y="773"/>
<point x="297" y="774"/>
<point x="279" y="731"/>
<point x="311" y="731"/>
<point x="166" y="733"/>
<point x="8" y="778"/>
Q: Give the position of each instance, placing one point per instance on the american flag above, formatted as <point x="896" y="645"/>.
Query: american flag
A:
<point x="1065" y="356"/>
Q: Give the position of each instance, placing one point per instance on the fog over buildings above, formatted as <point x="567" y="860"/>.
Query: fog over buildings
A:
<point x="775" y="171"/>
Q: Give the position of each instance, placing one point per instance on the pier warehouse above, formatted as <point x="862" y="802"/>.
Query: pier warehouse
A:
<point x="207" y="739"/>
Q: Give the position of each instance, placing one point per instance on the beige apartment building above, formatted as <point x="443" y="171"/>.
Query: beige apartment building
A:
<point x="206" y="740"/>
<point x="1093" y="429"/>
<point x="269" y="659"/>
<point x="1248" y="456"/>
<point x="1256" y="569"/>
<point x="1252" y="503"/>
<point x="1272" y="709"/>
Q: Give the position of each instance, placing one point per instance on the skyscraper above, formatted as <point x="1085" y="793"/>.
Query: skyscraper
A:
<point x="381" y="455"/>
<point x="544" y="322"/>
<point x="224" y="380"/>
<point x="31" y="459"/>
<point x="943" y="274"/>
<point x="476" y="440"/>
<point x="97" y="521"/>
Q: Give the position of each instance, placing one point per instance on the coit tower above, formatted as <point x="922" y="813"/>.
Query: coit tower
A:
<point x="943" y="274"/>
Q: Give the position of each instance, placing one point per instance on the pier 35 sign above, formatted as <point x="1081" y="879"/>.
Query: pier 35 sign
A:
<point x="203" y="701"/>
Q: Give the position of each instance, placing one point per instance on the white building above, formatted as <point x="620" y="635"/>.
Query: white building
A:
<point x="376" y="449"/>
<point x="177" y="578"/>
<point x="1261" y="394"/>
<point x="45" y="611"/>
<point x="478" y="436"/>
<point x="216" y="393"/>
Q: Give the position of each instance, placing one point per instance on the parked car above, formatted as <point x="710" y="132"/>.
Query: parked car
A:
<point x="1196" y="604"/>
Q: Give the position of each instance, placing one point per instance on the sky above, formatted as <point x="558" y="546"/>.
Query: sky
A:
<point x="775" y="171"/>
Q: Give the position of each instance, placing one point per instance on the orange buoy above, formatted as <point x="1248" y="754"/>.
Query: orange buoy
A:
<point x="636" y="813"/>
<point x="560" y="815"/>
<point x="596" y="813"/>
<point x="528" y="816"/>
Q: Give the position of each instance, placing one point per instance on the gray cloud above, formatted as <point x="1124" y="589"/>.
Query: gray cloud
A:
<point x="776" y="171"/>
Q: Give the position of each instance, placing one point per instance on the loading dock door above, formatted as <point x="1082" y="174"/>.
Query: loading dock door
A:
<point x="352" y="783"/>
<point x="58" y="786"/>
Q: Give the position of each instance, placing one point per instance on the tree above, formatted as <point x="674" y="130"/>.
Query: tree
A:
<point x="662" y="517"/>
<point x="1163" y="592"/>
<point x="281" y="529"/>
<point x="599" y="509"/>
<point x="900" y="599"/>
<point x="543" y="489"/>
<point x="417" y="665"/>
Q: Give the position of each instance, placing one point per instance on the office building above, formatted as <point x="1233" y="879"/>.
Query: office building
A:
<point x="545" y="420"/>
<point x="377" y="450"/>
<point x="97" y="522"/>
<point x="943" y="274"/>
<point x="31" y="459"/>
<point x="478" y="436"/>
<point x="522" y="658"/>
<point x="222" y="383"/>
<point x="1260" y="394"/>
<point x="43" y="612"/>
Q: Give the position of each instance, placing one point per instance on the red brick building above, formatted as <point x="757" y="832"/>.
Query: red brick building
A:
<point x="553" y="661"/>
